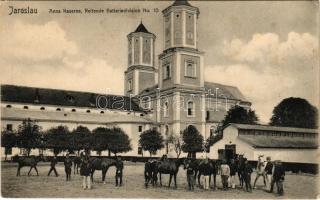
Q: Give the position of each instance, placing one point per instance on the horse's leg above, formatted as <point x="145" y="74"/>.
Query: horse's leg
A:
<point x="160" y="180"/>
<point x="170" y="179"/>
<point x="175" y="180"/>
<point x="35" y="167"/>
<point x="74" y="169"/>
<point x="104" y="176"/>
<point x="214" y="181"/>
<point x="209" y="180"/>
<point x="92" y="172"/>
<point x="30" y="170"/>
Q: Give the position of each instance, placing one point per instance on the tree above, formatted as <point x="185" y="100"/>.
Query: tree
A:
<point x="29" y="135"/>
<point x="151" y="140"/>
<point x="192" y="141"/>
<point x="82" y="138"/>
<point x="57" y="139"/>
<point x="176" y="142"/>
<point x="119" y="141"/>
<point x="101" y="139"/>
<point x="240" y="115"/>
<point x="294" y="112"/>
<point x="8" y="140"/>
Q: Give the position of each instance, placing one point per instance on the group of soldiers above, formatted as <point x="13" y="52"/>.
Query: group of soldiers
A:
<point x="273" y="173"/>
<point x="85" y="169"/>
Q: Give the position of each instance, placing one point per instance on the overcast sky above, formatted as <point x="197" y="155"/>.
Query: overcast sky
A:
<point x="269" y="50"/>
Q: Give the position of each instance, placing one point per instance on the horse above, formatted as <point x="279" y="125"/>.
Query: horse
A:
<point x="31" y="161"/>
<point x="102" y="164"/>
<point x="169" y="167"/>
<point x="76" y="164"/>
<point x="207" y="169"/>
<point x="240" y="168"/>
<point x="150" y="172"/>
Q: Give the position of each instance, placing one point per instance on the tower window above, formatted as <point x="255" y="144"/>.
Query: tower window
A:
<point x="166" y="109"/>
<point x="166" y="72"/>
<point x="178" y="16"/>
<point x="42" y="108"/>
<point x="88" y="111"/>
<point x="101" y="112"/>
<point x="140" y="129"/>
<point x="25" y="107"/>
<point x="58" y="109"/>
<point x="73" y="110"/>
<point x="190" y="69"/>
<point x="8" y="106"/>
<point x="190" y="109"/>
<point x="130" y="85"/>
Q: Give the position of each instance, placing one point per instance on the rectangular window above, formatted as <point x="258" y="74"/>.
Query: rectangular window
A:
<point x="140" y="129"/>
<point x="166" y="72"/>
<point x="129" y="84"/>
<point x="139" y="150"/>
<point x="9" y="127"/>
<point x="190" y="109"/>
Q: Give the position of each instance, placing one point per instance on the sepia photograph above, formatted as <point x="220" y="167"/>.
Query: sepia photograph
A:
<point x="160" y="99"/>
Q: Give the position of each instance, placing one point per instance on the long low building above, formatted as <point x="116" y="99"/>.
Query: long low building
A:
<point x="288" y="144"/>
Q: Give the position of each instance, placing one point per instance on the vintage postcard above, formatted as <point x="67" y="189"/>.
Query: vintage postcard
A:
<point x="159" y="99"/>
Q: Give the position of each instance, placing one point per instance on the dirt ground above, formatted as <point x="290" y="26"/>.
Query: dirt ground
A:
<point x="296" y="186"/>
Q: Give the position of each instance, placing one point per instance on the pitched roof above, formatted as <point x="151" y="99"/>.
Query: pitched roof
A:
<point x="141" y="28"/>
<point x="279" y="142"/>
<point x="45" y="96"/>
<point x="273" y="128"/>
<point x="227" y="91"/>
<point x="71" y="117"/>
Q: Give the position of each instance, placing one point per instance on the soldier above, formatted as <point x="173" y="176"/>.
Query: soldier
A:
<point x="67" y="167"/>
<point x="278" y="178"/>
<point x="268" y="172"/>
<point x="260" y="172"/>
<point x="233" y="170"/>
<point x="119" y="169"/>
<point x="53" y="163"/>
<point x="247" y="175"/>
<point x="190" y="174"/>
<point x="225" y="173"/>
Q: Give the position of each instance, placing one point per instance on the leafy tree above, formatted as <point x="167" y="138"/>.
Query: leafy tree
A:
<point x="192" y="141"/>
<point x="240" y="115"/>
<point x="151" y="140"/>
<point x="29" y="135"/>
<point x="101" y="137"/>
<point x="176" y="142"/>
<point x="294" y="112"/>
<point x="82" y="139"/>
<point x="8" y="141"/>
<point x="119" y="141"/>
<point x="57" y="139"/>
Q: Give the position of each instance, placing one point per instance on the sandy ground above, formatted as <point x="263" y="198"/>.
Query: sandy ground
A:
<point x="296" y="186"/>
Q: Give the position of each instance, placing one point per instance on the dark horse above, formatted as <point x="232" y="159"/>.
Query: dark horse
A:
<point x="170" y="167"/>
<point x="76" y="164"/>
<point x="102" y="164"/>
<point x="209" y="168"/>
<point x="150" y="172"/>
<point x="240" y="168"/>
<point x="31" y="161"/>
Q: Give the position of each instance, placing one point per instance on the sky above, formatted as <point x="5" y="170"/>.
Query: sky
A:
<point x="269" y="50"/>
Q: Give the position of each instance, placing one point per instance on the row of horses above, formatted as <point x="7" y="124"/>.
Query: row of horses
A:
<point x="152" y="168"/>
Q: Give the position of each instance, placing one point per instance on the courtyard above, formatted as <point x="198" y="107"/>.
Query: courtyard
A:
<point x="296" y="186"/>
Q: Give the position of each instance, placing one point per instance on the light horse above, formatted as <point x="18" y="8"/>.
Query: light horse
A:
<point x="31" y="161"/>
<point x="170" y="167"/>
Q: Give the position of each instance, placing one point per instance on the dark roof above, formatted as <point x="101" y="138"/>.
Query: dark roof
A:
<point x="279" y="142"/>
<point x="32" y="95"/>
<point x="141" y="28"/>
<point x="227" y="91"/>
<point x="273" y="128"/>
<point x="181" y="3"/>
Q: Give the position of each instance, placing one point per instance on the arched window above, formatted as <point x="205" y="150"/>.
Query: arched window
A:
<point x="8" y="106"/>
<point x="213" y="130"/>
<point x="190" y="109"/>
<point x="190" y="69"/>
<point x="129" y="84"/>
<point x="166" y="130"/>
<point x="101" y="112"/>
<point x="25" y="107"/>
<point x="166" y="71"/>
<point x="88" y="111"/>
<point x="58" y="109"/>
<point x="42" y="108"/>
<point x="166" y="109"/>
<point x="73" y="110"/>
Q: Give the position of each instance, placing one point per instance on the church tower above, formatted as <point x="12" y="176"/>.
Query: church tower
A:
<point x="181" y="71"/>
<point x="141" y="71"/>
